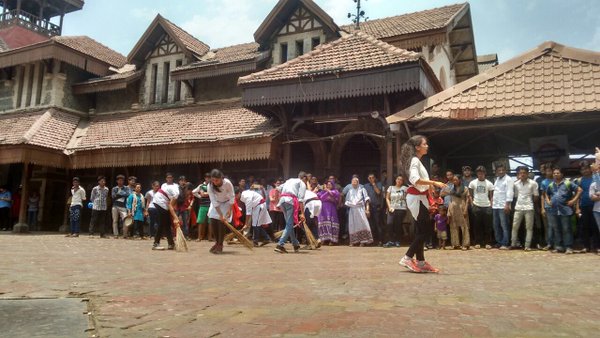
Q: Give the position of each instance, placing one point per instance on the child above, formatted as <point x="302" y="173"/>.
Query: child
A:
<point x="435" y="202"/>
<point x="441" y="227"/>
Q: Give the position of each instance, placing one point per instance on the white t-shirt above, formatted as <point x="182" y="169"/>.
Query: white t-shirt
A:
<point x="481" y="192"/>
<point x="397" y="197"/>
<point x="525" y="192"/>
<point x="595" y="190"/>
<point x="78" y="197"/>
<point x="150" y="197"/>
<point x="251" y="199"/>
<point x="223" y="200"/>
<point x="160" y="200"/>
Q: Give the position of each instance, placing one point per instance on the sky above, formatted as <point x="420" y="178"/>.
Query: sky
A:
<point x="505" y="27"/>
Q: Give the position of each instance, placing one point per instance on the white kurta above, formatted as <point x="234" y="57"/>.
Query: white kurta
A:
<point x="222" y="200"/>
<point x="313" y="206"/>
<point x="417" y="172"/>
<point x="358" y="224"/>
<point x="256" y="207"/>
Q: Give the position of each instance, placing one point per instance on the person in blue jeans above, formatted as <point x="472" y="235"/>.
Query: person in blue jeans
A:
<point x="562" y="195"/>
<point x="291" y="201"/>
<point x="501" y="205"/>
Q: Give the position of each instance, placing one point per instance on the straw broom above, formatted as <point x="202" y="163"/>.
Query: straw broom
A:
<point x="241" y="238"/>
<point x="309" y="235"/>
<point x="278" y="234"/>
<point x="180" y="242"/>
<point x="229" y="238"/>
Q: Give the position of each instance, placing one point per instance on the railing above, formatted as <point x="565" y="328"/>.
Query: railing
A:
<point x="29" y="21"/>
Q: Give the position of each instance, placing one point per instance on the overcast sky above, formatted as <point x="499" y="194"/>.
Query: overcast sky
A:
<point x="506" y="27"/>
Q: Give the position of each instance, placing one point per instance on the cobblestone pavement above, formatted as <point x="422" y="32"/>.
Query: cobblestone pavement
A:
<point x="335" y="291"/>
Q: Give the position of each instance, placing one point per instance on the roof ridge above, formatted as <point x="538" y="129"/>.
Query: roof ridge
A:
<point x="36" y="126"/>
<point x="169" y="22"/>
<point x="405" y="14"/>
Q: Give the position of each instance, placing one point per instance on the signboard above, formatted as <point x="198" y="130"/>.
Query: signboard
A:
<point x="550" y="149"/>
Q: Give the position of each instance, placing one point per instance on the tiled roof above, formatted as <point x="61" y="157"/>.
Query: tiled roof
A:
<point x="93" y="48"/>
<point x="353" y="52"/>
<point x="214" y="121"/>
<point x="230" y="54"/>
<point x="549" y="79"/>
<point x="45" y="128"/>
<point x="191" y="43"/>
<point x="422" y="21"/>
<point x="113" y="77"/>
<point x="485" y="62"/>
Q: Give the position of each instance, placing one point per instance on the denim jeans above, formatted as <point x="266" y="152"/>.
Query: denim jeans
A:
<point x="75" y="219"/>
<point x="548" y="228"/>
<point x="501" y="226"/>
<point x="153" y="213"/>
<point x="563" y="234"/>
<point x="185" y="222"/>
<point x="597" y="217"/>
<point x="32" y="216"/>
<point x="288" y="213"/>
<point x="258" y="232"/>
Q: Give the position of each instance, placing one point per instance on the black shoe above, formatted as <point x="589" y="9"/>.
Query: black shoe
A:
<point x="280" y="249"/>
<point x="296" y="248"/>
<point x="171" y="247"/>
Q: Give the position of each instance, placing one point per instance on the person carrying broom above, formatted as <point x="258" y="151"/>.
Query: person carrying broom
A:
<point x="257" y="215"/>
<point x="165" y="202"/>
<point x="292" y="203"/>
<point x="222" y="197"/>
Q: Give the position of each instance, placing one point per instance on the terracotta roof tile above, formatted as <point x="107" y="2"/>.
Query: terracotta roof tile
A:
<point x="530" y="84"/>
<point x="353" y="52"/>
<point x="113" y="77"/>
<point x="191" y="43"/>
<point x="45" y="128"/>
<point x="230" y="54"/>
<point x="203" y="123"/>
<point x="409" y="23"/>
<point x="93" y="48"/>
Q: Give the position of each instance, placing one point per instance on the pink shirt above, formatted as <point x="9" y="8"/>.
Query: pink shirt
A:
<point x="274" y="200"/>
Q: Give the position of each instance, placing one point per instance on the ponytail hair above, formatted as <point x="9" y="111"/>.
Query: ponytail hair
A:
<point x="407" y="152"/>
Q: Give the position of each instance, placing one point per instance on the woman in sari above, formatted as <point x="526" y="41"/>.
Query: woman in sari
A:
<point x="458" y="215"/>
<point x="329" y="224"/>
<point x="357" y="201"/>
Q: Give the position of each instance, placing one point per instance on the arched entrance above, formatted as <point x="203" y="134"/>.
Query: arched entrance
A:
<point x="361" y="155"/>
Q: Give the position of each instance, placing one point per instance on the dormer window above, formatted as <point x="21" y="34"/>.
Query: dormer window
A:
<point x="315" y="42"/>
<point x="299" y="47"/>
<point x="284" y="52"/>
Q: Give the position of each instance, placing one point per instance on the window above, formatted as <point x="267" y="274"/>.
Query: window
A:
<point x="20" y="80"/>
<point x="40" y="84"/>
<point x="284" y="52"/>
<point x="153" y="79"/>
<point x="165" y="83"/>
<point x="315" y="42"/>
<point x="30" y="78"/>
<point x="177" y="94"/>
<point x="299" y="47"/>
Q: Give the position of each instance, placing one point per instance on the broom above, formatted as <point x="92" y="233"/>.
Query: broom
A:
<point x="229" y="238"/>
<point x="180" y="243"/>
<point x="309" y="236"/>
<point x="278" y="234"/>
<point x="241" y="238"/>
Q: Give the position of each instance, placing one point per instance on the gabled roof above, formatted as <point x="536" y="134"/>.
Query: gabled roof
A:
<point x="549" y="79"/>
<point x="353" y="52"/>
<point x="89" y="46"/>
<point x="80" y="51"/>
<point x="282" y="11"/>
<point x="485" y="62"/>
<point x="221" y="61"/>
<point x="427" y="20"/>
<point x="191" y="46"/>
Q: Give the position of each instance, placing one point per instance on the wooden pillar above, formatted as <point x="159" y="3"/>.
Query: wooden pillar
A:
<point x="287" y="160"/>
<point x="22" y="226"/>
<point x="390" y="159"/>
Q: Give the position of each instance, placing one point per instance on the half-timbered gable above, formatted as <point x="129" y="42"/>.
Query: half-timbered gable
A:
<point x="294" y="28"/>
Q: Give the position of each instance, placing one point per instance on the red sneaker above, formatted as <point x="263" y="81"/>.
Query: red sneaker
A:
<point x="426" y="267"/>
<point x="410" y="264"/>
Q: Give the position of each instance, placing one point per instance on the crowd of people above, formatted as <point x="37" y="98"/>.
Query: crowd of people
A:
<point x="464" y="212"/>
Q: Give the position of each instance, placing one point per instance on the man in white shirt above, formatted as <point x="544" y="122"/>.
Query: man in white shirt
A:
<point x="77" y="198"/>
<point x="481" y="192"/>
<point x="165" y="202"/>
<point x="292" y="204"/>
<point x="527" y="193"/>
<point x="501" y="201"/>
<point x="257" y="215"/>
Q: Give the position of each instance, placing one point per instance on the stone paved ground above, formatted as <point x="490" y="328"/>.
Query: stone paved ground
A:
<point x="337" y="291"/>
